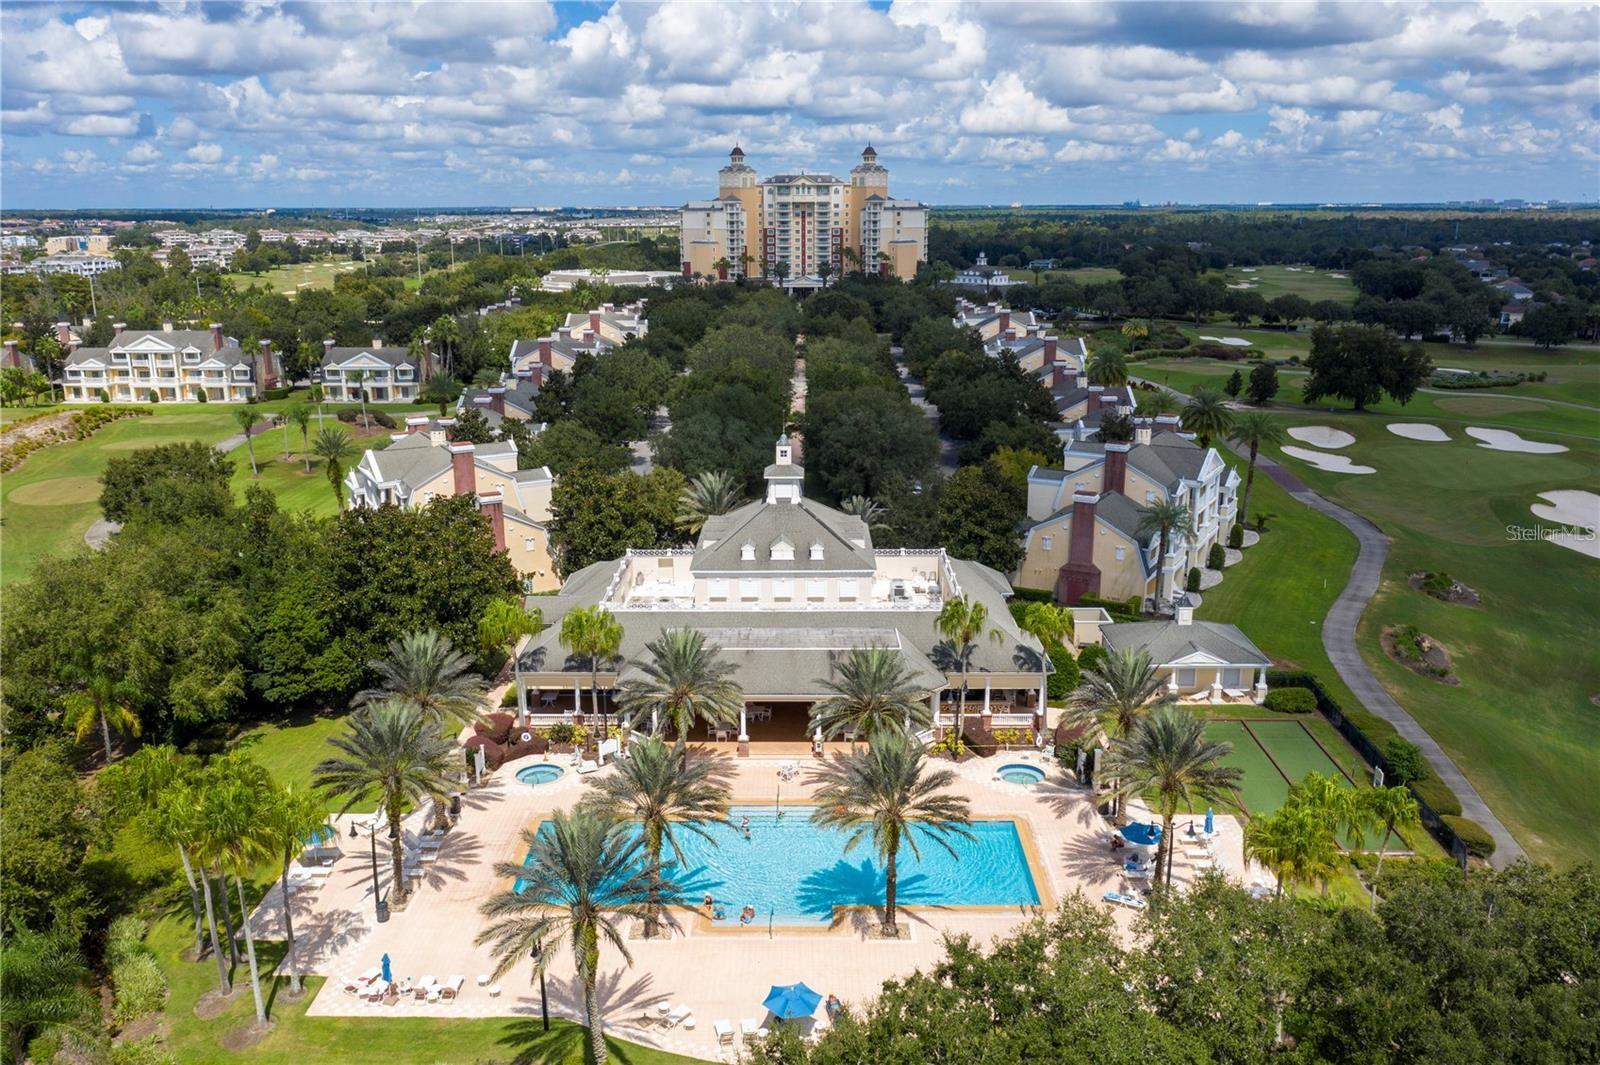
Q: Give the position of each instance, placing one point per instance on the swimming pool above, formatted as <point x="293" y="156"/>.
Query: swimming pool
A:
<point x="1020" y="773"/>
<point x="540" y="774"/>
<point x="795" y="873"/>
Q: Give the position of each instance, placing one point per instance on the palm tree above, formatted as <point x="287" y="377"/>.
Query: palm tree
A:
<point x="1168" y="519"/>
<point x="247" y="417"/>
<point x="1294" y="842"/>
<point x="353" y="379"/>
<point x="869" y="510"/>
<point x="300" y="415"/>
<point x="136" y="786"/>
<point x="102" y="700"/>
<point x="883" y="794"/>
<point x="1168" y="754"/>
<point x="684" y="681"/>
<point x="1049" y="623"/>
<point x="706" y="495"/>
<point x="1340" y="805"/>
<point x="1393" y="808"/>
<point x="233" y="808"/>
<point x="393" y="750"/>
<point x="177" y="818"/>
<point x="583" y="876"/>
<point x="1206" y="415"/>
<point x="876" y="694"/>
<point x="1118" y="693"/>
<point x="445" y="330"/>
<point x="1253" y="429"/>
<point x="1157" y="401"/>
<point x="314" y="396"/>
<point x="1135" y="332"/>
<point x="961" y="621"/>
<point x="592" y="633"/>
<point x="288" y="820"/>
<point x="424" y="669"/>
<point x="335" y="449"/>
<point x="1108" y="367"/>
<point x="504" y="622"/>
<point x="661" y="792"/>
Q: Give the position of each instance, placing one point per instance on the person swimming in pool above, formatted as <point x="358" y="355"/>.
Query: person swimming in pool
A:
<point x="747" y="915"/>
<point x="744" y="826"/>
<point x="719" y="914"/>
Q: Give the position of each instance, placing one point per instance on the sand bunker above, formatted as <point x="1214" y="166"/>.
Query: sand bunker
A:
<point x="1324" y="461"/>
<point x="1572" y="507"/>
<point x="1506" y="440"/>
<point x="1232" y="342"/>
<point x="1418" y="431"/>
<point x="1322" y="436"/>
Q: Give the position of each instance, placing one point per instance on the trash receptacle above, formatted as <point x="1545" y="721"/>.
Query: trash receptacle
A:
<point x="455" y="804"/>
<point x="383" y="910"/>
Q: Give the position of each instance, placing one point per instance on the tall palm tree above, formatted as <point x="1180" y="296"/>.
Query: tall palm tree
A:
<point x="962" y="621"/>
<point x="300" y="415"/>
<point x="1169" y="520"/>
<point x="1048" y="623"/>
<point x="875" y="693"/>
<point x="1295" y="842"/>
<point x="684" y="681"/>
<point x="584" y="875"/>
<point x="233" y="807"/>
<point x="886" y="795"/>
<point x="1135" y="332"/>
<point x="103" y="701"/>
<point x="592" y="633"/>
<point x="1118" y="693"/>
<point x="663" y="793"/>
<point x="1339" y="803"/>
<point x="393" y="750"/>
<point x="706" y="495"/>
<point x="1393" y="808"/>
<point x="1108" y="367"/>
<point x="315" y="396"/>
<point x="333" y="447"/>
<point x="136" y="786"/>
<point x="246" y="417"/>
<point x="869" y="510"/>
<point x="424" y="669"/>
<point x="177" y="818"/>
<point x="1168" y="754"/>
<point x="1206" y="415"/>
<point x="288" y="820"/>
<point x="504" y="622"/>
<point x="354" y="379"/>
<point x="1254" y="430"/>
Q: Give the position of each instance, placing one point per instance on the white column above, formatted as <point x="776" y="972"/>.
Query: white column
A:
<point x="577" y="698"/>
<point x="744" y="729"/>
<point x="522" y="699"/>
<point x="986" y="684"/>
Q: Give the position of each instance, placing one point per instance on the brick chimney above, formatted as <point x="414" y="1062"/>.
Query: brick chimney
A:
<point x="216" y="336"/>
<point x="1005" y="320"/>
<point x="1080" y="576"/>
<point x="12" y="356"/>
<point x="492" y="506"/>
<point x="64" y="335"/>
<point x="425" y="371"/>
<point x="327" y="346"/>
<point x="687" y="269"/>
<point x="497" y="401"/>
<point x="269" y="368"/>
<point x="1049" y="349"/>
<point x="461" y="463"/>
<point x="166" y="325"/>
<point x="481" y="403"/>
<point x="1109" y="399"/>
<point x="544" y="351"/>
<point x="1116" y="476"/>
<point x="416" y="423"/>
<point x="117" y="328"/>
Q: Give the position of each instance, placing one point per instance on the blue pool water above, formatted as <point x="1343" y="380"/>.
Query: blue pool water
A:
<point x="795" y="872"/>
<point x="1019" y="773"/>
<point x="539" y="774"/>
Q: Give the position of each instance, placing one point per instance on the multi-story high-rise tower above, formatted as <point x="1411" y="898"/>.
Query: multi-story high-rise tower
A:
<point x="799" y="228"/>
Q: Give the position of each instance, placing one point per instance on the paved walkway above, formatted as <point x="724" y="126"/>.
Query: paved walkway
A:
<point x="101" y="532"/>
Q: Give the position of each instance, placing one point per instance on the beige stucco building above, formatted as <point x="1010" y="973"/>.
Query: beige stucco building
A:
<point x="165" y="365"/>
<point x="811" y="224"/>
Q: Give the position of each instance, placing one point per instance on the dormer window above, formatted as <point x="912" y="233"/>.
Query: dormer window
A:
<point x="782" y="551"/>
<point x="816" y="552"/>
<point x="747" y="553"/>
<point x="191" y="356"/>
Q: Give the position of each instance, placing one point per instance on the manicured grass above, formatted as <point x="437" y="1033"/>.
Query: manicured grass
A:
<point x="295" y="488"/>
<point x="289" y="749"/>
<point x="1272" y="281"/>
<point x="1261" y="786"/>
<point x="1084" y="275"/>
<point x="289" y="279"/>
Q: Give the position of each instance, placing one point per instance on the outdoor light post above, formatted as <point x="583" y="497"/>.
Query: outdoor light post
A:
<point x="380" y="907"/>
<point x="544" y="1003"/>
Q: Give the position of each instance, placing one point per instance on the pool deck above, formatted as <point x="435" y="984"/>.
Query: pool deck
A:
<point x="721" y="974"/>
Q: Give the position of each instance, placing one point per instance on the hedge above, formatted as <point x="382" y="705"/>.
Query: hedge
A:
<point x="1437" y="794"/>
<point x="1193" y="583"/>
<point x="1236" y="536"/>
<point x="1478" y="842"/>
<point x="1034" y="595"/>
<point x="80" y="426"/>
<point x="1091" y="657"/>
<point x="275" y="393"/>
<point x="1065" y="677"/>
<point x="1290" y="700"/>
<point x="1216" y="558"/>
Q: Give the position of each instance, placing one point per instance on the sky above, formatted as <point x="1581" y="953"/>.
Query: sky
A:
<point x="531" y="103"/>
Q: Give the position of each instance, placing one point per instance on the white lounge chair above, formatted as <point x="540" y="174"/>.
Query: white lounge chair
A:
<point x="1123" y="899"/>
<point x="676" y="1016"/>
<point x="451" y="988"/>
<point x="751" y="1027"/>
<point x="1236" y="693"/>
<point x="724" y="1030"/>
<point x="587" y="765"/>
<point x="424" y="986"/>
<point x="375" y="991"/>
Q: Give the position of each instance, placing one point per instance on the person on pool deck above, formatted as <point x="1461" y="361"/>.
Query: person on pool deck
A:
<point x="747" y="915"/>
<point x="834" y="1007"/>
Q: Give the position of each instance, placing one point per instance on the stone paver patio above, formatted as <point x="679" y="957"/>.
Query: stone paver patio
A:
<point x="721" y="975"/>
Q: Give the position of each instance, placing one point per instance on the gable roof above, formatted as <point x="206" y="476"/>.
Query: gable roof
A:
<point x="337" y="356"/>
<point x="1168" y="643"/>
<point x="800" y="524"/>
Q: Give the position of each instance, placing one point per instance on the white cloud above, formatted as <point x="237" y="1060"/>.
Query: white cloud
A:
<point x="1009" y="107"/>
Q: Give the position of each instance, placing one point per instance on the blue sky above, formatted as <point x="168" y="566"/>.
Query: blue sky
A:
<point x="532" y="103"/>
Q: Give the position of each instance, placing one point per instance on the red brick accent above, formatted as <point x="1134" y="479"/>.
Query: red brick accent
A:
<point x="1116" y="478"/>
<point x="462" y="463"/>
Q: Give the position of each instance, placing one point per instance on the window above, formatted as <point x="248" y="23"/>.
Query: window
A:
<point x="1122" y="553"/>
<point x="749" y="588"/>
<point x="816" y="552"/>
<point x="1149" y="497"/>
<point x="1047" y="542"/>
<point x="1232" y="677"/>
<point x="782" y="588"/>
<point x="1186" y="678"/>
<point x="782" y="551"/>
<point x="191" y="356"/>
<point x="717" y="588"/>
<point x="1078" y="486"/>
<point x="747" y="553"/>
<point x="527" y="543"/>
<point x="847" y="588"/>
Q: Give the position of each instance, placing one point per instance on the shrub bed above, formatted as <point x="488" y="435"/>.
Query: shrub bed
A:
<point x="1290" y="700"/>
<point x="80" y="426"/>
<point x="1066" y="675"/>
<point x="1091" y="657"/>
<point x="1474" y="836"/>
<point x="1437" y="794"/>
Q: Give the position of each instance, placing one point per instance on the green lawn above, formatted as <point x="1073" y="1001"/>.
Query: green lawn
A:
<point x="1305" y="281"/>
<point x="291" y="278"/>
<point x="1084" y="275"/>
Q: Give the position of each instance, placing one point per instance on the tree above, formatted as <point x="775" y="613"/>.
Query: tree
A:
<point x="288" y="820"/>
<point x="867" y="509"/>
<point x="45" y="834"/>
<point x="233" y="807"/>
<point x="169" y="484"/>
<point x="1235" y="385"/>
<point x="659" y="789"/>
<point x="393" y="751"/>
<point x="314" y="396"/>
<point x="1362" y="362"/>
<point x="592" y="633"/>
<point x="1395" y="808"/>
<point x="875" y="693"/>
<point x="353" y="380"/>
<point x="1115" y="427"/>
<point x="44" y="976"/>
<point x="1548" y="327"/>
<point x="504" y="622"/>
<point x="1108" y="367"/>
<point x="246" y="418"/>
<point x="979" y="510"/>
<point x="1295" y="842"/>
<point x="1168" y="519"/>
<point x="1048" y="623"/>
<point x="299" y="414"/>
<point x="471" y="427"/>
<point x="961" y="622"/>
<point x="1253" y="430"/>
<point x="335" y="450"/>
<point x="1168" y="754"/>
<point x="1206" y="415"/>
<point x="707" y="495"/>
<point x="1263" y="383"/>
<point x="424" y="669"/>
<point x="685" y="680"/>
<point x="597" y="516"/>
<point x="135" y="788"/>
<point x="1117" y="694"/>
<point x="441" y="391"/>
<point x="104" y="701"/>
<point x="1134" y="332"/>
<point x="582" y="878"/>
<point x="857" y="439"/>
<point x="886" y="796"/>
<point x="564" y="446"/>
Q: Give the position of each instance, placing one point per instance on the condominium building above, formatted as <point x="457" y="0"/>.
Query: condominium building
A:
<point x="168" y="365"/>
<point x="594" y="332"/>
<point x="800" y="227"/>
<point x="88" y="243"/>
<point x="376" y="373"/>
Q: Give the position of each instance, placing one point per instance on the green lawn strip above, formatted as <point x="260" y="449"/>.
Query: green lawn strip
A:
<point x="291" y="277"/>
<point x="1261" y="787"/>
<point x="290" y="749"/>
<point x="1297" y="753"/>
<point x="1084" y="275"/>
<point x="1270" y="282"/>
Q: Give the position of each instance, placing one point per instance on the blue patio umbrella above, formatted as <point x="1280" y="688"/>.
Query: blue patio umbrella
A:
<point x="1141" y="834"/>
<point x="790" y="1001"/>
<point x="388" y="974"/>
<point x="1210" y="821"/>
